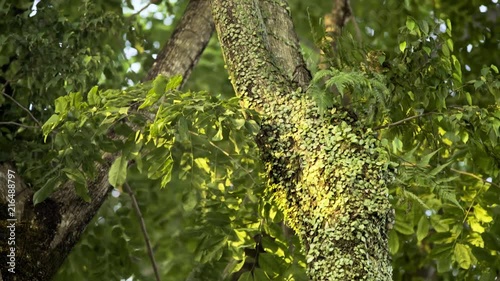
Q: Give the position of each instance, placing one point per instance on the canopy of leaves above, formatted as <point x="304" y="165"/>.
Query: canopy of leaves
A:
<point x="423" y="74"/>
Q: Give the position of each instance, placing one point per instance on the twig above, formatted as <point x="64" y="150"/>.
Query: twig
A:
<point x="18" y="124"/>
<point x="402" y="121"/>
<point x="143" y="229"/>
<point x="25" y="109"/>
<point x="474" y="176"/>
<point x="142" y="9"/>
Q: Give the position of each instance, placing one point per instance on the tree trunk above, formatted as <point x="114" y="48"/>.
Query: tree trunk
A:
<point x="326" y="173"/>
<point x="45" y="234"/>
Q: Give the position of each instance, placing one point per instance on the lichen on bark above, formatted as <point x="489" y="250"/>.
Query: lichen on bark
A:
<point x="326" y="172"/>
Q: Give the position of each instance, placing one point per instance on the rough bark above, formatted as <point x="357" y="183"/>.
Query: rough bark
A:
<point x="336" y="20"/>
<point x="46" y="233"/>
<point x="283" y="43"/>
<point x="190" y="37"/>
<point x="326" y="172"/>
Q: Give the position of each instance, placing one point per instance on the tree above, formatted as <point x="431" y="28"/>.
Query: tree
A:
<point x="230" y="188"/>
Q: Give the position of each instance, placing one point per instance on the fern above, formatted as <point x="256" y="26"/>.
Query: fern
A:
<point x="413" y="197"/>
<point x="367" y="91"/>
<point x="447" y="193"/>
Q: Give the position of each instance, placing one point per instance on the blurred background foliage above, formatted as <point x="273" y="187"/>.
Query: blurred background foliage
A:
<point x="433" y="65"/>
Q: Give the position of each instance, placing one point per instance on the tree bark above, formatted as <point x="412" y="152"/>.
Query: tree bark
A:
<point x="46" y="233"/>
<point x="190" y="37"/>
<point x="327" y="173"/>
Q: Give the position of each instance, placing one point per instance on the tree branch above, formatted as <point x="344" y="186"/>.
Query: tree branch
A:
<point x="143" y="230"/>
<point x="402" y="121"/>
<point x="190" y="37"/>
<point x="24" y="108"/>
<point x="475" y="176"/>
<point x="18" y="124"/>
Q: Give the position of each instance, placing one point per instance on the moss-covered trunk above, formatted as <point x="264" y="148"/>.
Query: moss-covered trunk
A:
<point x="327" y="173"/>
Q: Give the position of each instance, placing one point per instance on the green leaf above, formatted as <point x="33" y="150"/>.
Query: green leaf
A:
<point x="212" y="249"/>
<point x="438" y="225"/>
<point x="82" y="191"/>
<point x="75" y="175"/>
<point x="402" y="46"/>
<point x="410" y="24"/>
<point x="393" y="242"/>
<point x="50" y="124"/>
<point x="445" y="50"/>
<point x="477" y="84"/>
<point x="469" y="97"/>
<point x="246" y="276"/>
<point x="425" y="160"/>
<point x="444" y="264"/>
<point x="425" y="27"/>
<point x="167" y="172"/>
<point x="151" y="98"/>
<point x="218" y="136"/>
<point x="463" y="255"/>
<point x="270" y="264"/>
<point x="182" y="131"/>
<point x="260" y="275"/>
<point x="157" y="162"/>
<point x="233" y="266"/>
<point x="238" y="123"/>
<point x="75" y="100"/>
<point x="481" y="214"/>
<point x="449" y="43"/>
<point x="448" y="24"/>
<point x="202" y="163"/>
<point x="439" y="168"/>
<point x="190" y="201"/>
<point x="403" y="227"/>
<point x="422" y="228"/>
<point x="123" y="110"/>
<point x="62" y="105"/>
<point x="92" y="97"/>
<point x="174" y="83"/>
<point x="118" y="172"/>
<point x="159" y="85"/>
<point x="46" y="190"/>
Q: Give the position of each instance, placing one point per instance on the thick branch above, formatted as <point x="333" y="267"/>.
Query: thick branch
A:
<point x="282" y="41"/>
<point x="190" y="37"/>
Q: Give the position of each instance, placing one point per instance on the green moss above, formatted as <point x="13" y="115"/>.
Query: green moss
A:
<point x="326" y="172"/>
<point x="329" y="177"/>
